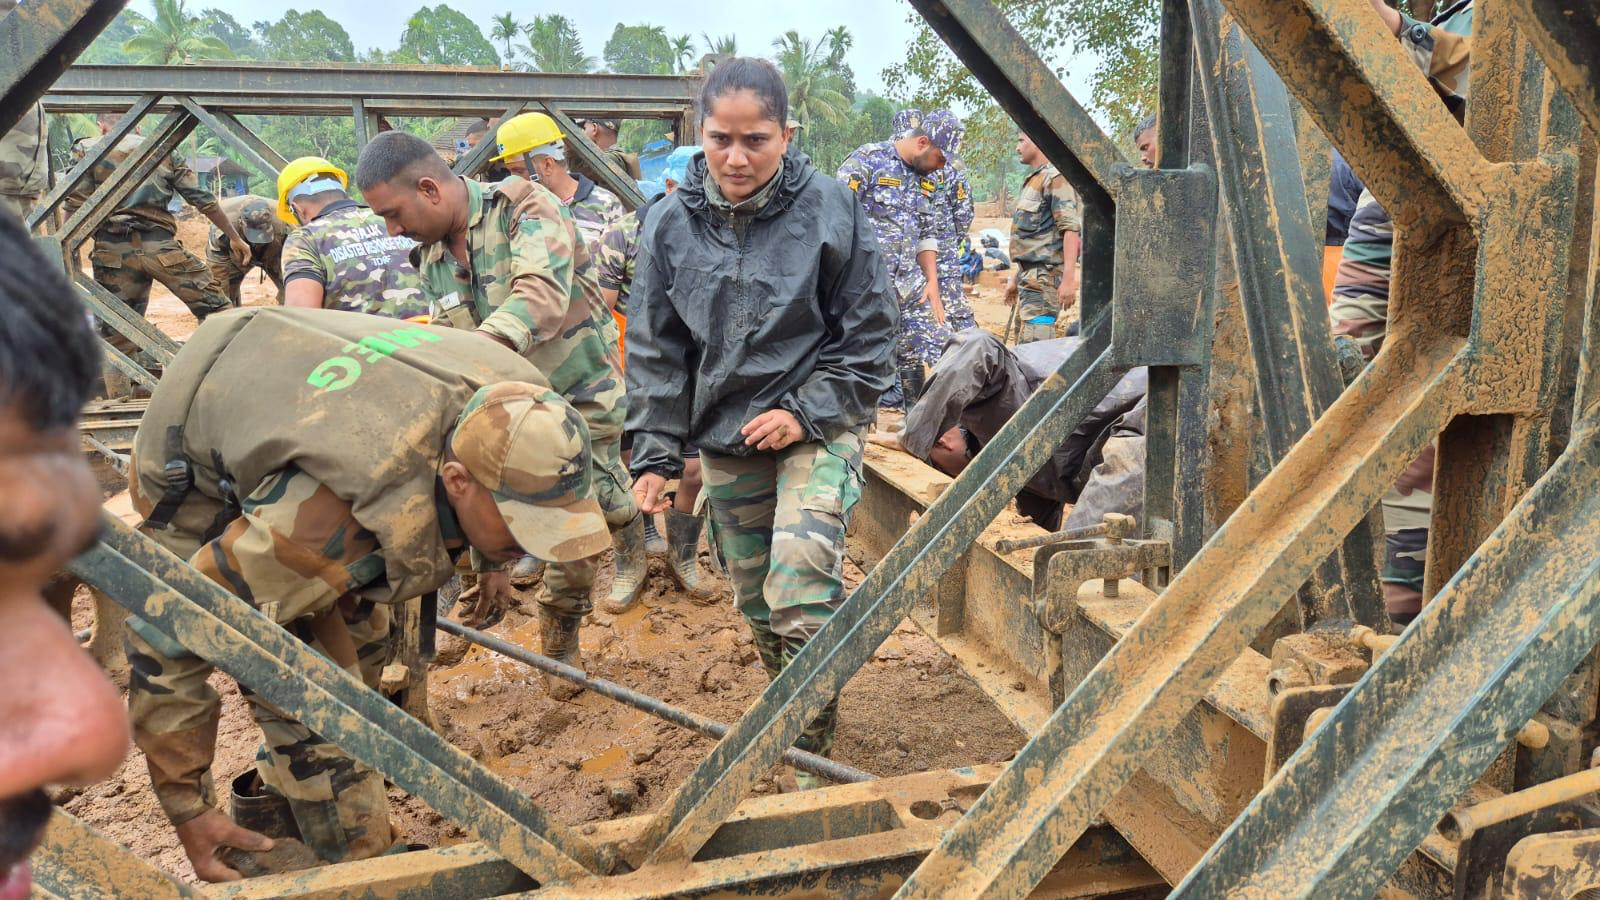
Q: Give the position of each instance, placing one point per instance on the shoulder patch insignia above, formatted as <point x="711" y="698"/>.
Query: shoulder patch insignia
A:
<point x="889" y="181"/>
<point x="928" y="187"/>
<point x="961" y="192"/>
<point x="854" y="183"/>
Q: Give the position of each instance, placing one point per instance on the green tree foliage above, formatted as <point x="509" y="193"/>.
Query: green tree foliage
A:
<point x="505" y="28"/>
<point x="107" y="47"/>
<point x="174" y="36"/>
<point x="305" y="37"/>
<point x="441" y="36"/>
<point x="726" y="45"/>
<point x="682" y="52"/>
<point x="1121" y="35"/>
<point x="639" y="50"/>
<point x="814" y="83"/>
<point x="227" y="29"/>
<point x="554" y="46"/>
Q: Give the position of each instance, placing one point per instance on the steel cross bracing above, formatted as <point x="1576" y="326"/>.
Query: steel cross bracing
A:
<point x="1485" y="366"/>
<point x="38" y="41"/>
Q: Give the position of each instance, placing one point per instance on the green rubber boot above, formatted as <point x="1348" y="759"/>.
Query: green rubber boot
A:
<point x="632" y="567"/>
<point x="683" y="552"/>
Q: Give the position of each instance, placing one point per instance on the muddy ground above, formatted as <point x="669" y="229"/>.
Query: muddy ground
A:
<point x="911" y="708"/>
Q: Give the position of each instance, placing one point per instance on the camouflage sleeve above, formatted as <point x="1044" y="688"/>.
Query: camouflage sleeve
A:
<point x="187" y="184"/>
<point x="1441" y="53"/>
<point x="961" y="209"/>
<point x="1064" y="206"/>
<point x="927" y="226"/>
<point x="302" y="259"/>
<point x="1360" y="308"/>
<point x="855" y="172"/>
<point x="294" y="551"/>
<point x="618" y="249"/>
<point x="542" y="243"/>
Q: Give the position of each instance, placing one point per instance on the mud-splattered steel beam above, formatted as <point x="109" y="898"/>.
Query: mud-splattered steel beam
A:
<point x="129" y="175"/>
<point x="217" y="626"/>
<point x="1567" y="34"/>
<point x="74" y="860"/>
<point x="38" y="41"/>
<point x="1372" y="781"/>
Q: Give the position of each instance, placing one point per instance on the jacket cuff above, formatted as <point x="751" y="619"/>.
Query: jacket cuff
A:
<point x="791" y="404"/>
<point x="508" y="328"/>
<point x="928" y="244"/>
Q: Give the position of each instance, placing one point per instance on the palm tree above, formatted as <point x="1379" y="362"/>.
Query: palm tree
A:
<point x="839" y="42"/>
<point x="682" y="51"/>
<point x="506" y="28"/>
<point x="554" y="46"/>
<point x="174" y="36"/>
<point x="727" y="45"/>
<point x="811" y="80"/>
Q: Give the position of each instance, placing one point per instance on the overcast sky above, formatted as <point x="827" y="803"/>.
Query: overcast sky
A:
<point x="880" y="27"/>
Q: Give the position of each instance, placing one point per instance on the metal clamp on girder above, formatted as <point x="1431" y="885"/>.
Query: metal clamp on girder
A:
<point x="1164" y="263"/>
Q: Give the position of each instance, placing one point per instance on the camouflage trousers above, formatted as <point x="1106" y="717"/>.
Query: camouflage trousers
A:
<point x="777" y="524"/>
<point x="227" y="275"/>
<point x="18" y="205"/>
<point x="1036" y="298"/>
<point x="957" y="309"/>
<point x="921" y="338"/>
<point x="568" y="585"/>
<point x="339" y="804"/>
<point x="126" y="265"/>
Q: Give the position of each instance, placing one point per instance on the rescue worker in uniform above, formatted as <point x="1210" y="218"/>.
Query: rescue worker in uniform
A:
<point x="761" y="330"/>
<point x="603" y="132"/>
<point x="342" y="256"/>
<point x="377" y="452"/>
<point x="24" y="156"/>
<point x="1045" y="233"/>
<point x="531" y="145"/>
<point x="507" y="260"/>
<point x="253" y="219"/>
<point x="894" y="182"/>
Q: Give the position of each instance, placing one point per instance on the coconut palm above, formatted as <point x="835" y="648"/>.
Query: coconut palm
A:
<point x="813" y="94"/>
<point x="174" y="36"/>
<point x="682" y="51"/>
<point x="505" y="28"/>
<point x="727" y="45"/>
<point x="554" y="46"/>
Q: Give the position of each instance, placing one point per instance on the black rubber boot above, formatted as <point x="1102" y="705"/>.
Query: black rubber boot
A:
<point x="683" y="551"/>
<point x="558" y="639"/>
<point x="911" y="380"/>
<point x="632" y="567"/>
<point x="654" y="544"/>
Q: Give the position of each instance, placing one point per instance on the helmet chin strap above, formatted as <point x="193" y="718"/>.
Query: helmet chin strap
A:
<point x="533" y="172"/>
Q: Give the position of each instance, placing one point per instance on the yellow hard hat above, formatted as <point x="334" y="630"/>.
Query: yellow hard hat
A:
<point x="519" y="134"/>
<point x="295" y="173"/>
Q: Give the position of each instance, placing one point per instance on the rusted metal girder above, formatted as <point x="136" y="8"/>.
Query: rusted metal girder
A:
<point x="76" y="861"/>
<point x="217" y="626"/>
<point x="591" y="156"/>
<point x="37" y="43"/>
<point x="97" y="153"/>
<point x="1443" y="358"/>
<point x="1567" y="34"/>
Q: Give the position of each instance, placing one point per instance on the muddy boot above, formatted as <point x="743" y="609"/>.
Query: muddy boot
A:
<point x="683" y="542"/>
<point x="558" y="639"/>
<point x="526" y="571"/>
<point x="261" y="809"/>
<point x="654" y="544"/>
<point x="911" y="381"/>
<point x="628" y="541"/>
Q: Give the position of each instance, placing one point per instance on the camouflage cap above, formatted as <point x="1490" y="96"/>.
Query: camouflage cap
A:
<point x="255" y="221"/>
<point x="905" y="120"/>
<point x="944" y="129"/>
<point x="531" y="450"/>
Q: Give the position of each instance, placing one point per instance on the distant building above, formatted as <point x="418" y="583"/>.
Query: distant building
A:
<point x="221" y="175"/>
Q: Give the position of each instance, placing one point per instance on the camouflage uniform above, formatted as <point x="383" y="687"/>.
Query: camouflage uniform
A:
<point x="1360" y="309"/>
<point x="138" y="242"/>
<point x="348" y="250"/>
<point x="777" y="525"/>
<point x="898" y="199"/>
<point x="338" y="517"/>
<point x="256" y="220"/>
<point x="24" y="163"/>
<point x="953" y="214"/>
<point x="594" y="209"/>
<point x="1047" y="208"/>
<point x="627" y="163"/>
<point x="531" y="282"/>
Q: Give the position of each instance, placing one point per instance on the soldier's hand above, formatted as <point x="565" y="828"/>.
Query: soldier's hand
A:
<point x="1067" y="295"/>
<point x="1011" y="288"/>
<point x="206" y="835"/>
<point x="241" y="252"/>
<point x="649" y="490"/>
<point x="890" y="439"/>
<point x="774" y="429"/>
<point x="494" y="598"/>
<point x="935" y="302"/>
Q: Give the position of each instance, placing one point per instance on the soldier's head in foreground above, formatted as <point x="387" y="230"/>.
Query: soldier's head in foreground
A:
<point x="929" y="140"/>
<point x="406" y="182"/>
<point x="61" y="721"/>
<point x="744" y="110"/>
